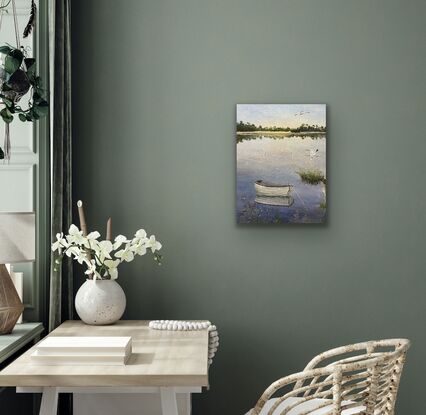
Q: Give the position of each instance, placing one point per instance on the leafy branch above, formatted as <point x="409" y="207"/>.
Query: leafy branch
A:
<point x="17" y="78"/>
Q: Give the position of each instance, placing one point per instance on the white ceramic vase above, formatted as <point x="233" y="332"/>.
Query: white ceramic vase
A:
<point x="100" y="302"/>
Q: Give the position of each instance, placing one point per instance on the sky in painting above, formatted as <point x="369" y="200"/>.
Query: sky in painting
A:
<point x="281" y="115"/>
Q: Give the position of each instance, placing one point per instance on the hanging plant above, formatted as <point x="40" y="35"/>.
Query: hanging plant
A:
<point x="17" y="78"/>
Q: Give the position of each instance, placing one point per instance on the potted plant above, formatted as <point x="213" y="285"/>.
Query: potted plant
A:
<point x="100" y="300"/>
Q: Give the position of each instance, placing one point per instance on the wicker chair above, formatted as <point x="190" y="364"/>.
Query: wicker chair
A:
<point x="362" y="378"/>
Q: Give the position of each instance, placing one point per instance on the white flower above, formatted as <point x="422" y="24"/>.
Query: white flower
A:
<point x="139" y="248"/>
<point x="75" y="236"/>
<point x="73" y="251"/>
<point x="103" y="256"/>
<point x="140" y="234"/>
<point x="125" y="254"/>
<point x="103" y="250"/>
<point x="119" y="240"/>
<point x="112" y="268"/>
<point x="93" y="236"/>
<point x="91" y="270"/>
<point x="138" y="245"/>
<point x="82" y="257"/>
<point x="59" y="243"/>
<point x="153" y="244"/>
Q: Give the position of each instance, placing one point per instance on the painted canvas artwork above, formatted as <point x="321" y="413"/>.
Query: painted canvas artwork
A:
<point x="281" y="163"/>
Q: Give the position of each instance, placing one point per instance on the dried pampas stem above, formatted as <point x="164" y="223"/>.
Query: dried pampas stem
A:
<point x="83" y="224"/>
<point x="109" y="230"/>
<point x="31" y="22"/>
<point x="82" y="217"/>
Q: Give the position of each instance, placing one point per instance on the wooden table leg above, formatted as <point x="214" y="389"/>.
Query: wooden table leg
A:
<point x="49" y="401"/>
<point x="168" y="401"/>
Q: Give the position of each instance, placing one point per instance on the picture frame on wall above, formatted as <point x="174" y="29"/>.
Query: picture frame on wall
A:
<point x="281" y="163"/>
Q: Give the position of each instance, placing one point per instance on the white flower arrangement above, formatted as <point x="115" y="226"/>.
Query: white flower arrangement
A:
<point x="102" y="258"/>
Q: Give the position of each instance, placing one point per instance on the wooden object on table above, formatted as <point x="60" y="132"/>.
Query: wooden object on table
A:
<point x="17" y="244"/>
<point x="82" y="350"/>
<point x="83" y="224"/>
<point x="109" y="230"/>
<point x="159" y="358"/>
<point x="11" y="306"/>
<point x="18" y="282"/>
<point x="82" y="217"/>
<point x="22" y="335"/>
<point x="360" y="378"/>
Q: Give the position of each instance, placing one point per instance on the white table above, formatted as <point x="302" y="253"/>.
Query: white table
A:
<point x="163" y="362"/>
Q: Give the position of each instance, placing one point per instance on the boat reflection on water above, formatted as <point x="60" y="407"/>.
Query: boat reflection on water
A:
<point x="285" y="201"/>
<point x="273" y="194"/>
<point x="264" y="188"/>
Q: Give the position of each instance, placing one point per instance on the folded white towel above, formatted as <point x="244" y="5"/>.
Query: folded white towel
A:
<point x="179" y="325"/>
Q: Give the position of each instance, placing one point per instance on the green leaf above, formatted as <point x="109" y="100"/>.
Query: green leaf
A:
<point x="22" y="117"/>
<point x="17" y="54"/>
<point x="30" y="67"/>
<point x="29" y="63"/>
<point x="1" y="154"/>
<point x="6" y="115"/>
<point x="13" y="61"/>
<point x="11" y="64"/>
<point x="5" y="49"/>
<point x="7" y="101"/>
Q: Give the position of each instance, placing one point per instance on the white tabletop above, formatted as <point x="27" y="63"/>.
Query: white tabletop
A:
<point x="159" y="358"/>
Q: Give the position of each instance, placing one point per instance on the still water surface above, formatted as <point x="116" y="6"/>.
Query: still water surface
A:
<point x="277" y="159"/>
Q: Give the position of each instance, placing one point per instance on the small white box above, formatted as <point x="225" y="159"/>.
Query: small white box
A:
<point x="58" y="350"/>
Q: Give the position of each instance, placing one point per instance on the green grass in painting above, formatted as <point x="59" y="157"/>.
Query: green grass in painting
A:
<point x="312" y="176"/>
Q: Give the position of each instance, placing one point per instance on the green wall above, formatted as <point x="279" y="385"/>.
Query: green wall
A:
<point x="155" y="88"/>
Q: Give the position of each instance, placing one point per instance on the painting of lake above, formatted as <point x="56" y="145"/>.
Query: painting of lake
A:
<point x="281" y="163"/>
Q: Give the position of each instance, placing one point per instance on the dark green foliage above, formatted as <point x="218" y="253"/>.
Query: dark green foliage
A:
<point x="6" y="114"/>
<point x="18" y="77"/>
<point x="312" y="176"/>
<point x="248" y="127"/>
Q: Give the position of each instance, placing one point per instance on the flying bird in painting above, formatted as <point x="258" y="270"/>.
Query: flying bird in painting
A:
<point x="301" y="113"/>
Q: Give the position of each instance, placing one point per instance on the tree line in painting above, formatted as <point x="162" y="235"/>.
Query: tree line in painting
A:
<point x="248" y="127"/>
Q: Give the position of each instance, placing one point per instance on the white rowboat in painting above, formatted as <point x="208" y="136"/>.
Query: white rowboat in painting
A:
<point x="271" y="189"/>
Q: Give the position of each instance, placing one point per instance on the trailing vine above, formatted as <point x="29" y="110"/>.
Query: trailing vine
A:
<point x="17" y="78"/>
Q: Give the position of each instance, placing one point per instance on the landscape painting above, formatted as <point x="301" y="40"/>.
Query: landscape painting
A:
<point x="281" y="163"/>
